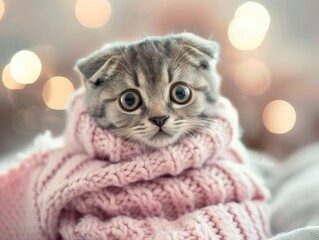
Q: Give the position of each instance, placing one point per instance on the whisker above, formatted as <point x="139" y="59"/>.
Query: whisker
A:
<point x="128" y="71"/>
<point x="195" y="47"/>
<point x="184" y="55"/>
<point x="179" y="50"/>
<point x="125" y="57"/>
<point x="179" y="67"/>
<point x="192" y="49"/>
<point x="130" y="134"/>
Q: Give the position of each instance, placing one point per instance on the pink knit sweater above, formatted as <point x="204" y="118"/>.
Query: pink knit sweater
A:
<point x="98" y="186"/>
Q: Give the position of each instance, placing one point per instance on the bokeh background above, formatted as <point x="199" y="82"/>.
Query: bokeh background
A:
<point x="269" y="60"/>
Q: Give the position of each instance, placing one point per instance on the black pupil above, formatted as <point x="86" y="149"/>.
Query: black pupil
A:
<point x="129" y="99"/>
<point x="180" y="93"/>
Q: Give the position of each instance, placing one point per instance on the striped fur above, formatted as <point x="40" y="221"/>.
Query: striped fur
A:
<point x="151" y="66"/>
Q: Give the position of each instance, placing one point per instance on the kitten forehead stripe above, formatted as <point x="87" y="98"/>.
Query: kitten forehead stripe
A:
<point x="169" y="72"/>
<point x="151" y="67"/>
<point x="133" y="54"/>
<point x="135" y="79"/>
<point x="167" y="48"/>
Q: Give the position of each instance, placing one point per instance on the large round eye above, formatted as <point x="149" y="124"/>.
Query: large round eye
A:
<point x="180" y="93"/>
<point x="130" y="100"/>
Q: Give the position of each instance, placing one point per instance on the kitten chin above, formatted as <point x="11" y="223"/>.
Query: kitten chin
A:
<point x="161" y="140"/>
<point x="155" y="91"/>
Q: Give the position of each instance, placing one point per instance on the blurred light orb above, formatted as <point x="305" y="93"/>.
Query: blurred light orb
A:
<point x="279" y="117"/>
<point x="93" y="13"/>
<point x="56" y="92"/>
<point x="256" y="11"/>
<point x="244" y="35"/>
<point x="252" y="77"/>
<point x="8" y="80"/>
<point x="249" y="27"/>
<point x="2" y="9"/>
<point x="25" y="67"/>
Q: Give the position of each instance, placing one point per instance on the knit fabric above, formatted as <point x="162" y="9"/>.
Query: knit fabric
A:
<point x="98" y="186"/>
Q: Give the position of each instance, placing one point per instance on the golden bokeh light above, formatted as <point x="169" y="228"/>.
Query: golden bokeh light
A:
<point x="279" y="117"/>
<point x="56" y="92"/>
<point x="2" y="9"/>
<point x="255" y="11"/>
<point x="25" y="67"/>
<point x="249" y="27"/>
<point x="8" y="80"/>
<point x="243" y="34"/>
<point x="93" y="13"/>
<point x="252" y="77"/>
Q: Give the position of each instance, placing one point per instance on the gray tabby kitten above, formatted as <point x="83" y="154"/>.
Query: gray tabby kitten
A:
<point x="154" y="91"/>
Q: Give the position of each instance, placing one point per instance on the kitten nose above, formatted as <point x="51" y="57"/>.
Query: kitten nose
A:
<point x="159" y="121"/>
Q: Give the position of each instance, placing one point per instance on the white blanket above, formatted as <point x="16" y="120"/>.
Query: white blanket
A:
<point x="294" y="185"/>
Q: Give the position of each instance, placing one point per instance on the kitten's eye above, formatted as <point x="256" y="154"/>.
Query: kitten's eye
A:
<point x="130" y="100"/>
<point x="180" y="93"/>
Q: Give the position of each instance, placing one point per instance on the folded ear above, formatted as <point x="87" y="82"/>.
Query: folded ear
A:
<point x="198" y="45"/>
<point x="96" y="67"/>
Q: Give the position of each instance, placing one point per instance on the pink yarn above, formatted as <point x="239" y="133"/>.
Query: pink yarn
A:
<point x="98" y="186"/>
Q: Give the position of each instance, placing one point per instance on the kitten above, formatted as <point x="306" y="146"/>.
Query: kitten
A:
<point x="154" y="91"/>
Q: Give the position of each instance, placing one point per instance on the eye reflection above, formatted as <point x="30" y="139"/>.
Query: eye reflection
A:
<point x="180" y="93"/>
<point x="130" y="100"/>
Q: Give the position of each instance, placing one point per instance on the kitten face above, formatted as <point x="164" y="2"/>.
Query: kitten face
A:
<point x="155" y="91"/>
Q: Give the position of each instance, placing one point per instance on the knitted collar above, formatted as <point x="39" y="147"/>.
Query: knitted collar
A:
<point x="84" y="135"/>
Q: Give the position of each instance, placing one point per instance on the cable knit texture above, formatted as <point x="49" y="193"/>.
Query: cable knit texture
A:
<point x="98" y="186"/>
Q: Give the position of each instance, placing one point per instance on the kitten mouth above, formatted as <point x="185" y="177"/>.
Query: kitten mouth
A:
<point x="161" y="134"/>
